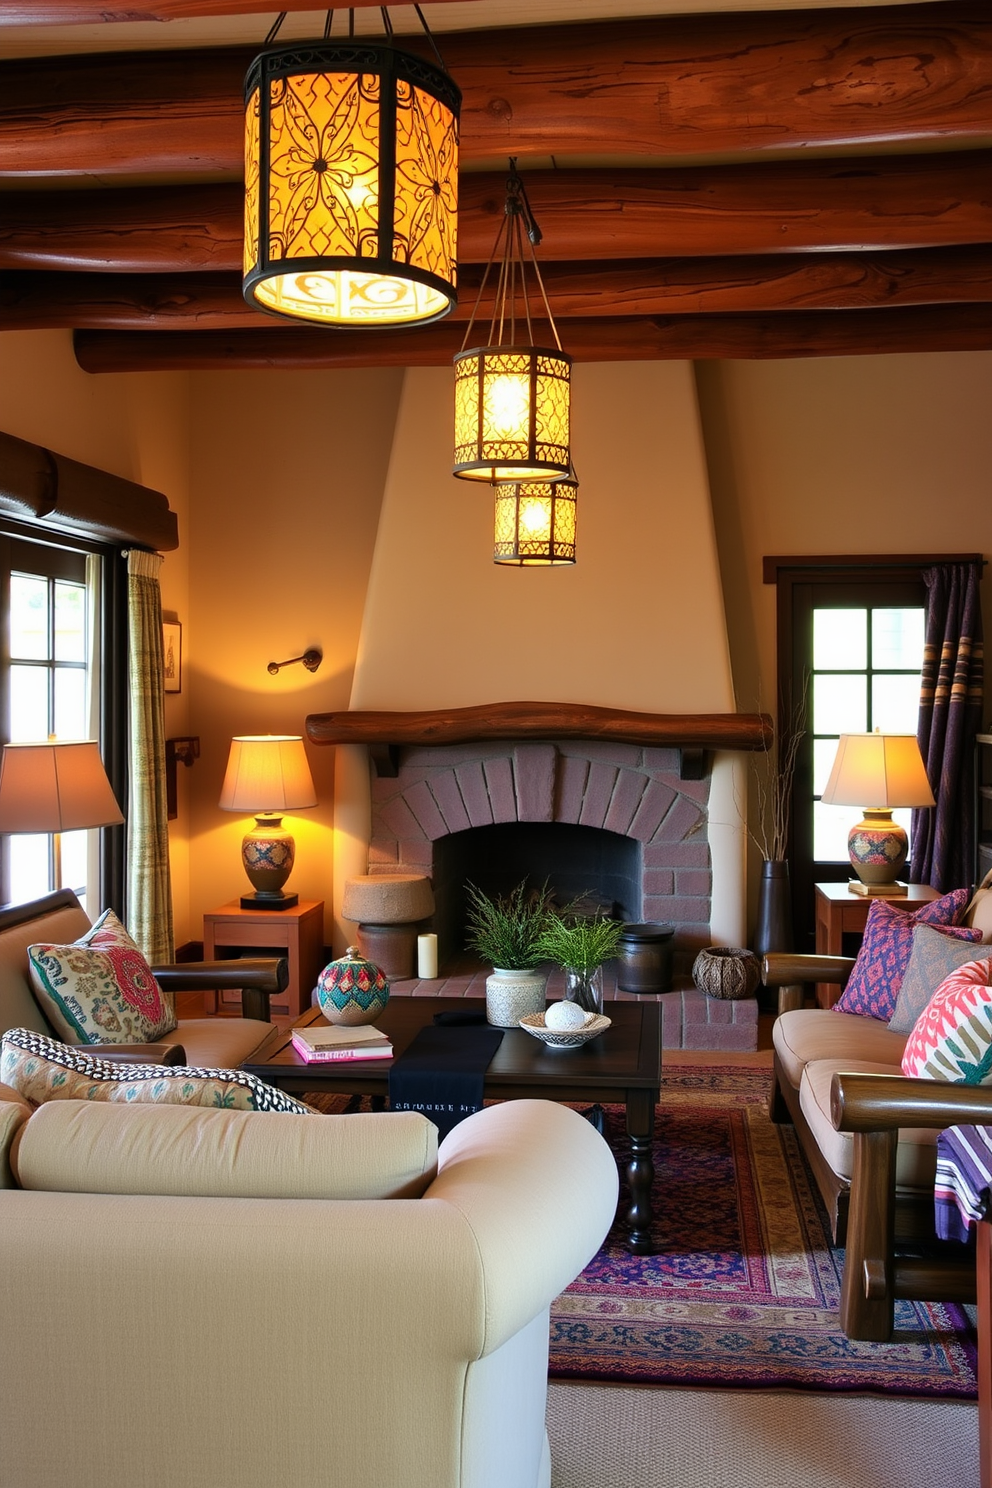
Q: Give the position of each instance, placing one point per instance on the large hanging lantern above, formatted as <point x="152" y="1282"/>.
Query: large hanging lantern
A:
<point x="535" y="523"/>
<point x="512" y="400"/>
<point x="351" y="185"/>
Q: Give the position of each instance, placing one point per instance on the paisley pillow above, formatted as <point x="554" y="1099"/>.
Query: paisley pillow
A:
<point x="100" y="989"/>
<point x="952" y="1037"/>
<point x="874" y="983"/>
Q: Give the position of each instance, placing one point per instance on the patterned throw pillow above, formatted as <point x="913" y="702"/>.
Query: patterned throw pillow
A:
<point x="41" y="1069"/>
<point x="886" y="948"/>
<point x="935" y="955"/>
<point x="952" y="1038"/>
<point x="100" y="989"/>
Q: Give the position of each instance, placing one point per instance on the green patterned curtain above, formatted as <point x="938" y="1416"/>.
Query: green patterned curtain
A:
<point x="149" y="891"/>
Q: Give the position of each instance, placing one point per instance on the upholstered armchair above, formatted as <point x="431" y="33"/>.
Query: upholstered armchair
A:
<point x="59" y="918"/>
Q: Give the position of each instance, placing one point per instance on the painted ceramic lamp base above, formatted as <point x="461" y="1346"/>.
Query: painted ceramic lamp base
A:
<point x="878" y="847"/>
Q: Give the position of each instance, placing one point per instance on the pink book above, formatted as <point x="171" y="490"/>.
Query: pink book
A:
<point x="328" y="1056"/>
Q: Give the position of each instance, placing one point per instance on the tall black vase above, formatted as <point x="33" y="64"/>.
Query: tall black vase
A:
<point x="773" y="931"/>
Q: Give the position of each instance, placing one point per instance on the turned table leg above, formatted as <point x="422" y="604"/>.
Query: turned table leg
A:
<point x="641" y="1106"/>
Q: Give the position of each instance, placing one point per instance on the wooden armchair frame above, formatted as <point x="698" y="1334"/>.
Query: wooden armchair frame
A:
<point x="258" y="978"/>
<point x="869" y="1215"/>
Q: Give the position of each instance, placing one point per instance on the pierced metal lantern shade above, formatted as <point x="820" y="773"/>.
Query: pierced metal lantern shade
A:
<point x="512" y="413"/>
<point x="351" y="185"/>
<point x="535" y="523"/>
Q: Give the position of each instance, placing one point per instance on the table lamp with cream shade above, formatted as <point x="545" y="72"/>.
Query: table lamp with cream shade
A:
<point x="888" y="771"/>
<point x="268" y="774"/>
<point x="55" y="786"/>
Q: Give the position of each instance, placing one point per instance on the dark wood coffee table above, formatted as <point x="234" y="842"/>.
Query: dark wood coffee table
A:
<point x="623" y="1065"/>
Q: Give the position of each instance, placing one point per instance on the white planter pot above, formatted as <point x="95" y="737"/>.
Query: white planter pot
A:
<point x="510" y="995"/>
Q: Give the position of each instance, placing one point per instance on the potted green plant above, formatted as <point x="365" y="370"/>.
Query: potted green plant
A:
<point x="505" y="930"/>
<point x="581" y="946"/>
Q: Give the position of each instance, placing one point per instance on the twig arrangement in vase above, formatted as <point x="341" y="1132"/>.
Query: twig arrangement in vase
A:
<point x="505" y="930"/>
<point x="581" y="946"/>
<point x="774" y="777"/>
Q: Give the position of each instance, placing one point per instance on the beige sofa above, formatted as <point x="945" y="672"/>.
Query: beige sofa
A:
<point x="58" y="918"/>
<point x="838" y="1078"/>
<point x="226" y="1299"/>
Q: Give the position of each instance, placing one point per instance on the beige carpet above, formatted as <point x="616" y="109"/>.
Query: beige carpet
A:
<point x="610" y="1436"/>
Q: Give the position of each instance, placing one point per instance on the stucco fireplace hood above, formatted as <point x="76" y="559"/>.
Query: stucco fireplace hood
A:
<point x="690" y="733"/>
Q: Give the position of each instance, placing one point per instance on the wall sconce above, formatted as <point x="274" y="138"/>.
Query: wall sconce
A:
<point x="310" y="659"/>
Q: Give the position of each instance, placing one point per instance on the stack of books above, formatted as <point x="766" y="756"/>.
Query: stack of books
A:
<point x="320" y="1044"/>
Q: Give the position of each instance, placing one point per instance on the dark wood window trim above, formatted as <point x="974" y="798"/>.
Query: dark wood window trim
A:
<point x="800" y="580"/>
<point x="113" y="675"/>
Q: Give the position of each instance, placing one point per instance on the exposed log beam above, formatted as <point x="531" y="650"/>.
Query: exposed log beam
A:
<point x="753" y="731"/>
<point x="833" y="281"/>
<point x="685" y="337"/>
<point x="777" y="80"/>
<point x="789" y="206"/>
<point x="93" y="12"/>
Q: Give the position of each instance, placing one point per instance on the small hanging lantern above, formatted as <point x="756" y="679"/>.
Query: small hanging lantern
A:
<point x="535" y="523"/>
<point x="512" y="400"/>
<point x="351" y="184"/>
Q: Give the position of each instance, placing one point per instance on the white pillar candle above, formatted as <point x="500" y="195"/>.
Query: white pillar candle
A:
<point x="427" y="957"/>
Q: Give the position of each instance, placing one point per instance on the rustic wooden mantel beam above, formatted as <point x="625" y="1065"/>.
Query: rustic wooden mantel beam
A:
<point x="751" y="731"/>
<point x="890" y="202"/>
<point x="45" y="300"/>
<point x="789" y="333"/>
<point x="668" y="87"/>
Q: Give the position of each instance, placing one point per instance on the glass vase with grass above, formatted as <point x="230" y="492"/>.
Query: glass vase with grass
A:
<point x="505" y="930"/>
<point x="580" y="946"/>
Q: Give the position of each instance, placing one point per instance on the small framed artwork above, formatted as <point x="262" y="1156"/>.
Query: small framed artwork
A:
<point x="172" y="648"/>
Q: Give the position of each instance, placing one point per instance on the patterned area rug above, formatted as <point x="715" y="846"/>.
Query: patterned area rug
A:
<point x="745" y="1289"/>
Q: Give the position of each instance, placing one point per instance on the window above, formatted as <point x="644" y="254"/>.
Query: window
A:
<point x="865" y="675"/>
<point x="850" y="642"/>
<point x="56" y="600"/>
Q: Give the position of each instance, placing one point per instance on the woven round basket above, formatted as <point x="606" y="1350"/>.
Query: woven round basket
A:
<point x="727" y="971"/>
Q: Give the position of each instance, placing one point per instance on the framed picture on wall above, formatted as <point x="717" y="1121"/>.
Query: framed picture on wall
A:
<point x="172" y="647"/>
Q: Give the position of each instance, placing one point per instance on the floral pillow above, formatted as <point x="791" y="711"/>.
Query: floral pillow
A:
<point x="886" y="948"/>
<point x="41" y="1069"/>
<point x="952" y="1038"/>
<point x="100" y="989"/>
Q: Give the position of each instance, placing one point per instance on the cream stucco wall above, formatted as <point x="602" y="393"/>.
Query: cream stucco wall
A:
<point x="288" y="472"/>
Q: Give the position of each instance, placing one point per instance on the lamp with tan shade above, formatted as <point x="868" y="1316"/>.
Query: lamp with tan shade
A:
<point x="56" y="786"/>
<point x="888" y="771"/>
<point x="268" y="774"/>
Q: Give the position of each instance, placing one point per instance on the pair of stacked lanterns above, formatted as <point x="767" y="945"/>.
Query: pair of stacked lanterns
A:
<point x="351" y="201"/>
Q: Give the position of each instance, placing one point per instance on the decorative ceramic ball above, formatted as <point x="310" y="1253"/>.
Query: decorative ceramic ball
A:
<point x="352" y="990"/>
<point x="564" y="1016"/>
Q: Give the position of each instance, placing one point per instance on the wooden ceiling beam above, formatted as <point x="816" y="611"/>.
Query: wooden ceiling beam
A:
<point x="801" y="333"/>
<point x="835" y="281"/>
<point x="95" y="12"/>
<point x="890" y="202"/>
<point x="671" y="86"/>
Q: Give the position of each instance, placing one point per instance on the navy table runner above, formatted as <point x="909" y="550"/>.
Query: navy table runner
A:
<point x="443" y="1072"/>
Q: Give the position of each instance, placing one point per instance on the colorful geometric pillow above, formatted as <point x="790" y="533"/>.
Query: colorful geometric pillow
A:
<point x="100" y="989"/>
<point x="885" y="951"/>
<point x="41" y="1069"/>
<point x="935" y="956"/>
<point x="952" y="1038"/>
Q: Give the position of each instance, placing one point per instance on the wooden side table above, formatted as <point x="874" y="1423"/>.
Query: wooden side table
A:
<point x="298" y="931"/>
<point x="840" y="913"/>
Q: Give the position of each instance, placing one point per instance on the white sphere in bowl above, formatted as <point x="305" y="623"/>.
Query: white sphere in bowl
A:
<point x="565" y="1017"/>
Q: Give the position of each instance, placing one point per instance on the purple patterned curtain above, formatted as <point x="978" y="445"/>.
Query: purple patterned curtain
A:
<point x="950" y="717"/>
